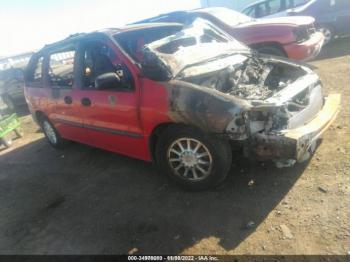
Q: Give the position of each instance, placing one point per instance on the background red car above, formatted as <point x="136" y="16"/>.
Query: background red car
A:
<point x="292" y="37"/>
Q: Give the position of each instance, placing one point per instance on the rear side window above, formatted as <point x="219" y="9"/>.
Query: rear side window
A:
<point x="260" y="10"/>
<point x="250" y="11"/>
<point x="61" y="69"/>
<point x="38" y="72"/>
<point x="268" y="8"/>
<point x="34" y="75"/>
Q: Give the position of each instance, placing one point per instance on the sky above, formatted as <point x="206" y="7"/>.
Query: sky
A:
<point x="27" y="25"/>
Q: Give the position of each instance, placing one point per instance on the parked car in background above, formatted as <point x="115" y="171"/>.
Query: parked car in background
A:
<point x="264" y="8"/>
<point x="332" y="16"/>
<point x="295" y="38"/>
<point x="12" y="79"/>
<point x="182" y="96"/>
<point x="12" y="87"/>
<point x="14" y="60"/>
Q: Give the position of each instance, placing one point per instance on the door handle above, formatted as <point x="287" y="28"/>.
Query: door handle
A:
<point x="68" y="100"/>
<point x="86" y="101"/>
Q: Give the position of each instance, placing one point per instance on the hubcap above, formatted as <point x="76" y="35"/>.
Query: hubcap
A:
<point x="327" y="35"/>
<point x="50" y="132"/>
<point x="190" y="159"/>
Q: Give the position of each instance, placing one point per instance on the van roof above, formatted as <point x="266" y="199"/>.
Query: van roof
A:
<point x="108" y="31"/>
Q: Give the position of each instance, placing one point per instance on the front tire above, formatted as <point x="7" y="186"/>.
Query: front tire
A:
<point x="52" y="135"/>
<point x="194" y="160"/>
<point x="328" y="34"/>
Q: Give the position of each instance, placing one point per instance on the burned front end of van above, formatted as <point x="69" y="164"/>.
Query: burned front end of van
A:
<point x="275" y="108"/>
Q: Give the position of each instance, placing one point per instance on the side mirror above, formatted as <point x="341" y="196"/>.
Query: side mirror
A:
<point x="107" y="81"/>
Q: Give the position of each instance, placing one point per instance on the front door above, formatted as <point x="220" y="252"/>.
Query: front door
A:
<point x="111" y="115"/>
<point x="64" y="96"/>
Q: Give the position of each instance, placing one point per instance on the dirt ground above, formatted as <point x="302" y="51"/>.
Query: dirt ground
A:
<point x="87" y="201"/>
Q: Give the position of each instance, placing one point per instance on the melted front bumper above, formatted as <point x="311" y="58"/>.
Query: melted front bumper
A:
<point x="306" y="135"/>
<point x="295" y="144"/>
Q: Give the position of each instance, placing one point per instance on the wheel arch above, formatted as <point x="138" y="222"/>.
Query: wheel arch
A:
<point x="155" y="134"/>
<point x="220" y="151"/>
<point x="39" y="116"/>
<point x="331" y="28"/>
<point x="161" y="128"/>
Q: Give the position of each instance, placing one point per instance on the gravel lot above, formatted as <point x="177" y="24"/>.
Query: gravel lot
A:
<point x="87" y="201"/>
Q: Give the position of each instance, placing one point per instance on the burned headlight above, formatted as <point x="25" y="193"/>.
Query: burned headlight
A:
<point x="267" y="119"/>
<point x="237" y="128"/>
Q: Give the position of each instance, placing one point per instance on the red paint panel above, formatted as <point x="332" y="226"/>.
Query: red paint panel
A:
<point x="117" y="121"/>
<point x="112" y="122"/>
<point x="154" y="105"/>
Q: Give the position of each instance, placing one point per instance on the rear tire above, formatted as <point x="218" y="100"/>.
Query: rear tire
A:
<point x="194" y="160"/>
<point x="52" y="135"/>
<point x="271" y="50"/>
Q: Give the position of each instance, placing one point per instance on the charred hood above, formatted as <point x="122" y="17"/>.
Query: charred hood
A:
<point x="203" y="55"/>
<point x="198" y="43"/>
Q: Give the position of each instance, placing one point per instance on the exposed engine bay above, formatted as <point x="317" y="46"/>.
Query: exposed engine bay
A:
<point x="253" y="79"/>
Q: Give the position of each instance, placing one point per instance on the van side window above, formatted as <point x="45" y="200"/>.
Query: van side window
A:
<point x="34" y="73"/>
<point x="61" y="69"/>
<point x="37" y="77"/>
<point x="100" y="59"/>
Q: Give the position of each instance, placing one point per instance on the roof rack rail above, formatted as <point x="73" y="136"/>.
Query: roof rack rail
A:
<point x="72" y="36"/>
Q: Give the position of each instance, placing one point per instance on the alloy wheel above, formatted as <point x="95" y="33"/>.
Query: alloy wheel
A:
<point x="190" y="159"/>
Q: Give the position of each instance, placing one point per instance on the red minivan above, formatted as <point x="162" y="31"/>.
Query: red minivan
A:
<point x="179" y="96"/>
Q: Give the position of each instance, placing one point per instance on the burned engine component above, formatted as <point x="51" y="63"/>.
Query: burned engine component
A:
<point x="252" y="79"/>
